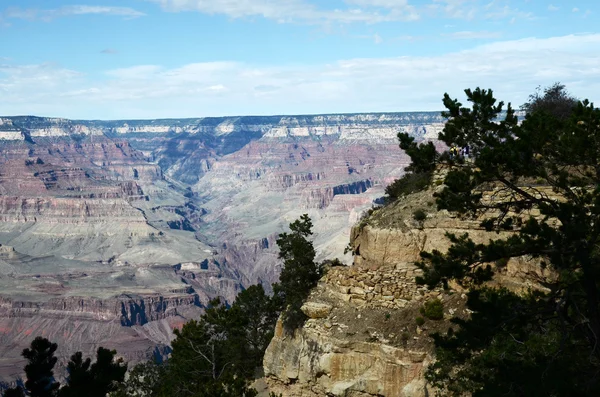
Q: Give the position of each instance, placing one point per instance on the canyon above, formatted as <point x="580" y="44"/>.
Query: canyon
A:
<point x="114" y="233"/>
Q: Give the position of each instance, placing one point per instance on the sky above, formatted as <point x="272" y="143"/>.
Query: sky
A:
<point x="127" y="59"/>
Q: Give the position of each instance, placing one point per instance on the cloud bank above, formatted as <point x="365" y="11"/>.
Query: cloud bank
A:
<point x="32" y="14"/>
<point x="512" y="68"/>
<point x="350" y="11"/>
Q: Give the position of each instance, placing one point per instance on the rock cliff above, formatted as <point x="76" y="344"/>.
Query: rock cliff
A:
<point x="362" y="338"/>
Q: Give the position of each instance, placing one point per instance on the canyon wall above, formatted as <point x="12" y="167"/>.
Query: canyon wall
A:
<point x="115" y="232"/>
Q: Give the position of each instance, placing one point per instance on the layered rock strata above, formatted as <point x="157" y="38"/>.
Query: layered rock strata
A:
<point x="112" y="220"/>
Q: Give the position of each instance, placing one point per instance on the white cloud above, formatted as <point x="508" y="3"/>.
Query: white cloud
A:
<point x="376" y="38"/>
<point x="83" y="9"/>
<point x="512" y="68"/>
<point x="296" y="10"/>
<point x="365" y="11"/>
<point x="49" y="14"/>
<point x="575" y="9"/>
<point x="473" y="35"/>
<point x="552" y="7"/>
<point x="457" y="9"/>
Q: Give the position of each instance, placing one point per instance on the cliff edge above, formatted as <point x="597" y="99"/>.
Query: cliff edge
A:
<point x="363" y="337"/>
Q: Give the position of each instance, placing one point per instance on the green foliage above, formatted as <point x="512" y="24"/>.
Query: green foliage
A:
<point x="219" y="354"/>
<point x="509" y="347"/>
<point x="144" y="380"/>
<point x="423" y="156"/>
<point x="39" y="368"/>
<point x="555" y="101"/>
<point x="79" y="376"/>
<point x="104" y="376"/>
<point x="221" y="350"/>
<point x="199" y="363"/>
<point x="216" y="355"/>
<point x="14" y="392"/>
<point x="405" y="337"/>
<point x="433" y="309"/>
<point x="335" y="262"/>
<point x="84" y="378"/>
<point x="419" y="320"/>
<point x="419" y="215"/>
<point x="543" y="343"/>
<point x="419" y="173"/>
<point x="300" y="272"/>
<point x="407" y="184"/>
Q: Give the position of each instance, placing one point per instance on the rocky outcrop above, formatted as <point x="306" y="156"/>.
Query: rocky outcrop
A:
<point x="361" y="338"/>
<point x="312" y="363"/>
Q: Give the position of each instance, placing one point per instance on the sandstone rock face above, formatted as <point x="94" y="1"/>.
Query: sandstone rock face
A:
<point x="311" y="363"/>
<point x="361" y="338"/>
<point x="391" y="236"/>
<point x="316" y="310"/>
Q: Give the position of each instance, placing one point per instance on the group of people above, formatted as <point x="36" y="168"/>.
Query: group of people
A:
<point x="456" y="152"/>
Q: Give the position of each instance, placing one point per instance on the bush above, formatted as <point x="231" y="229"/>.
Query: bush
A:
<point x="405" y="337"/>
<point x="420" y="321"/>
<point x="502" y="262"/>
<point x="419" y="215"/>
<point x="433" y="309"/>
<point x="410" y="183"/>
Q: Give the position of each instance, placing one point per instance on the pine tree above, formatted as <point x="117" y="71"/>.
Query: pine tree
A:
<point x="79" y="377"/>
<point x="105" y="375"/>
<point x="544" y="342"/>
<point x="39" y="369"/>
<point x="555" y="100"/>
<point x="300" y="272"/>
<point x="14" y="392"/>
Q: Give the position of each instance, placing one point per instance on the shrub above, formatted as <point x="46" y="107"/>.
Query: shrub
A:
<point x="433" y="309"/>
<point x="420" y="321"/>
<point x="419" y="215"/>
<point x="502" y="262"/>
<point x="409" y="183"/>
<point x="405" y="337"/>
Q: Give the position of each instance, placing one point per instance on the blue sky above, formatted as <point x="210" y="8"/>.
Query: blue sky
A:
<point x="189" y="58"/>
